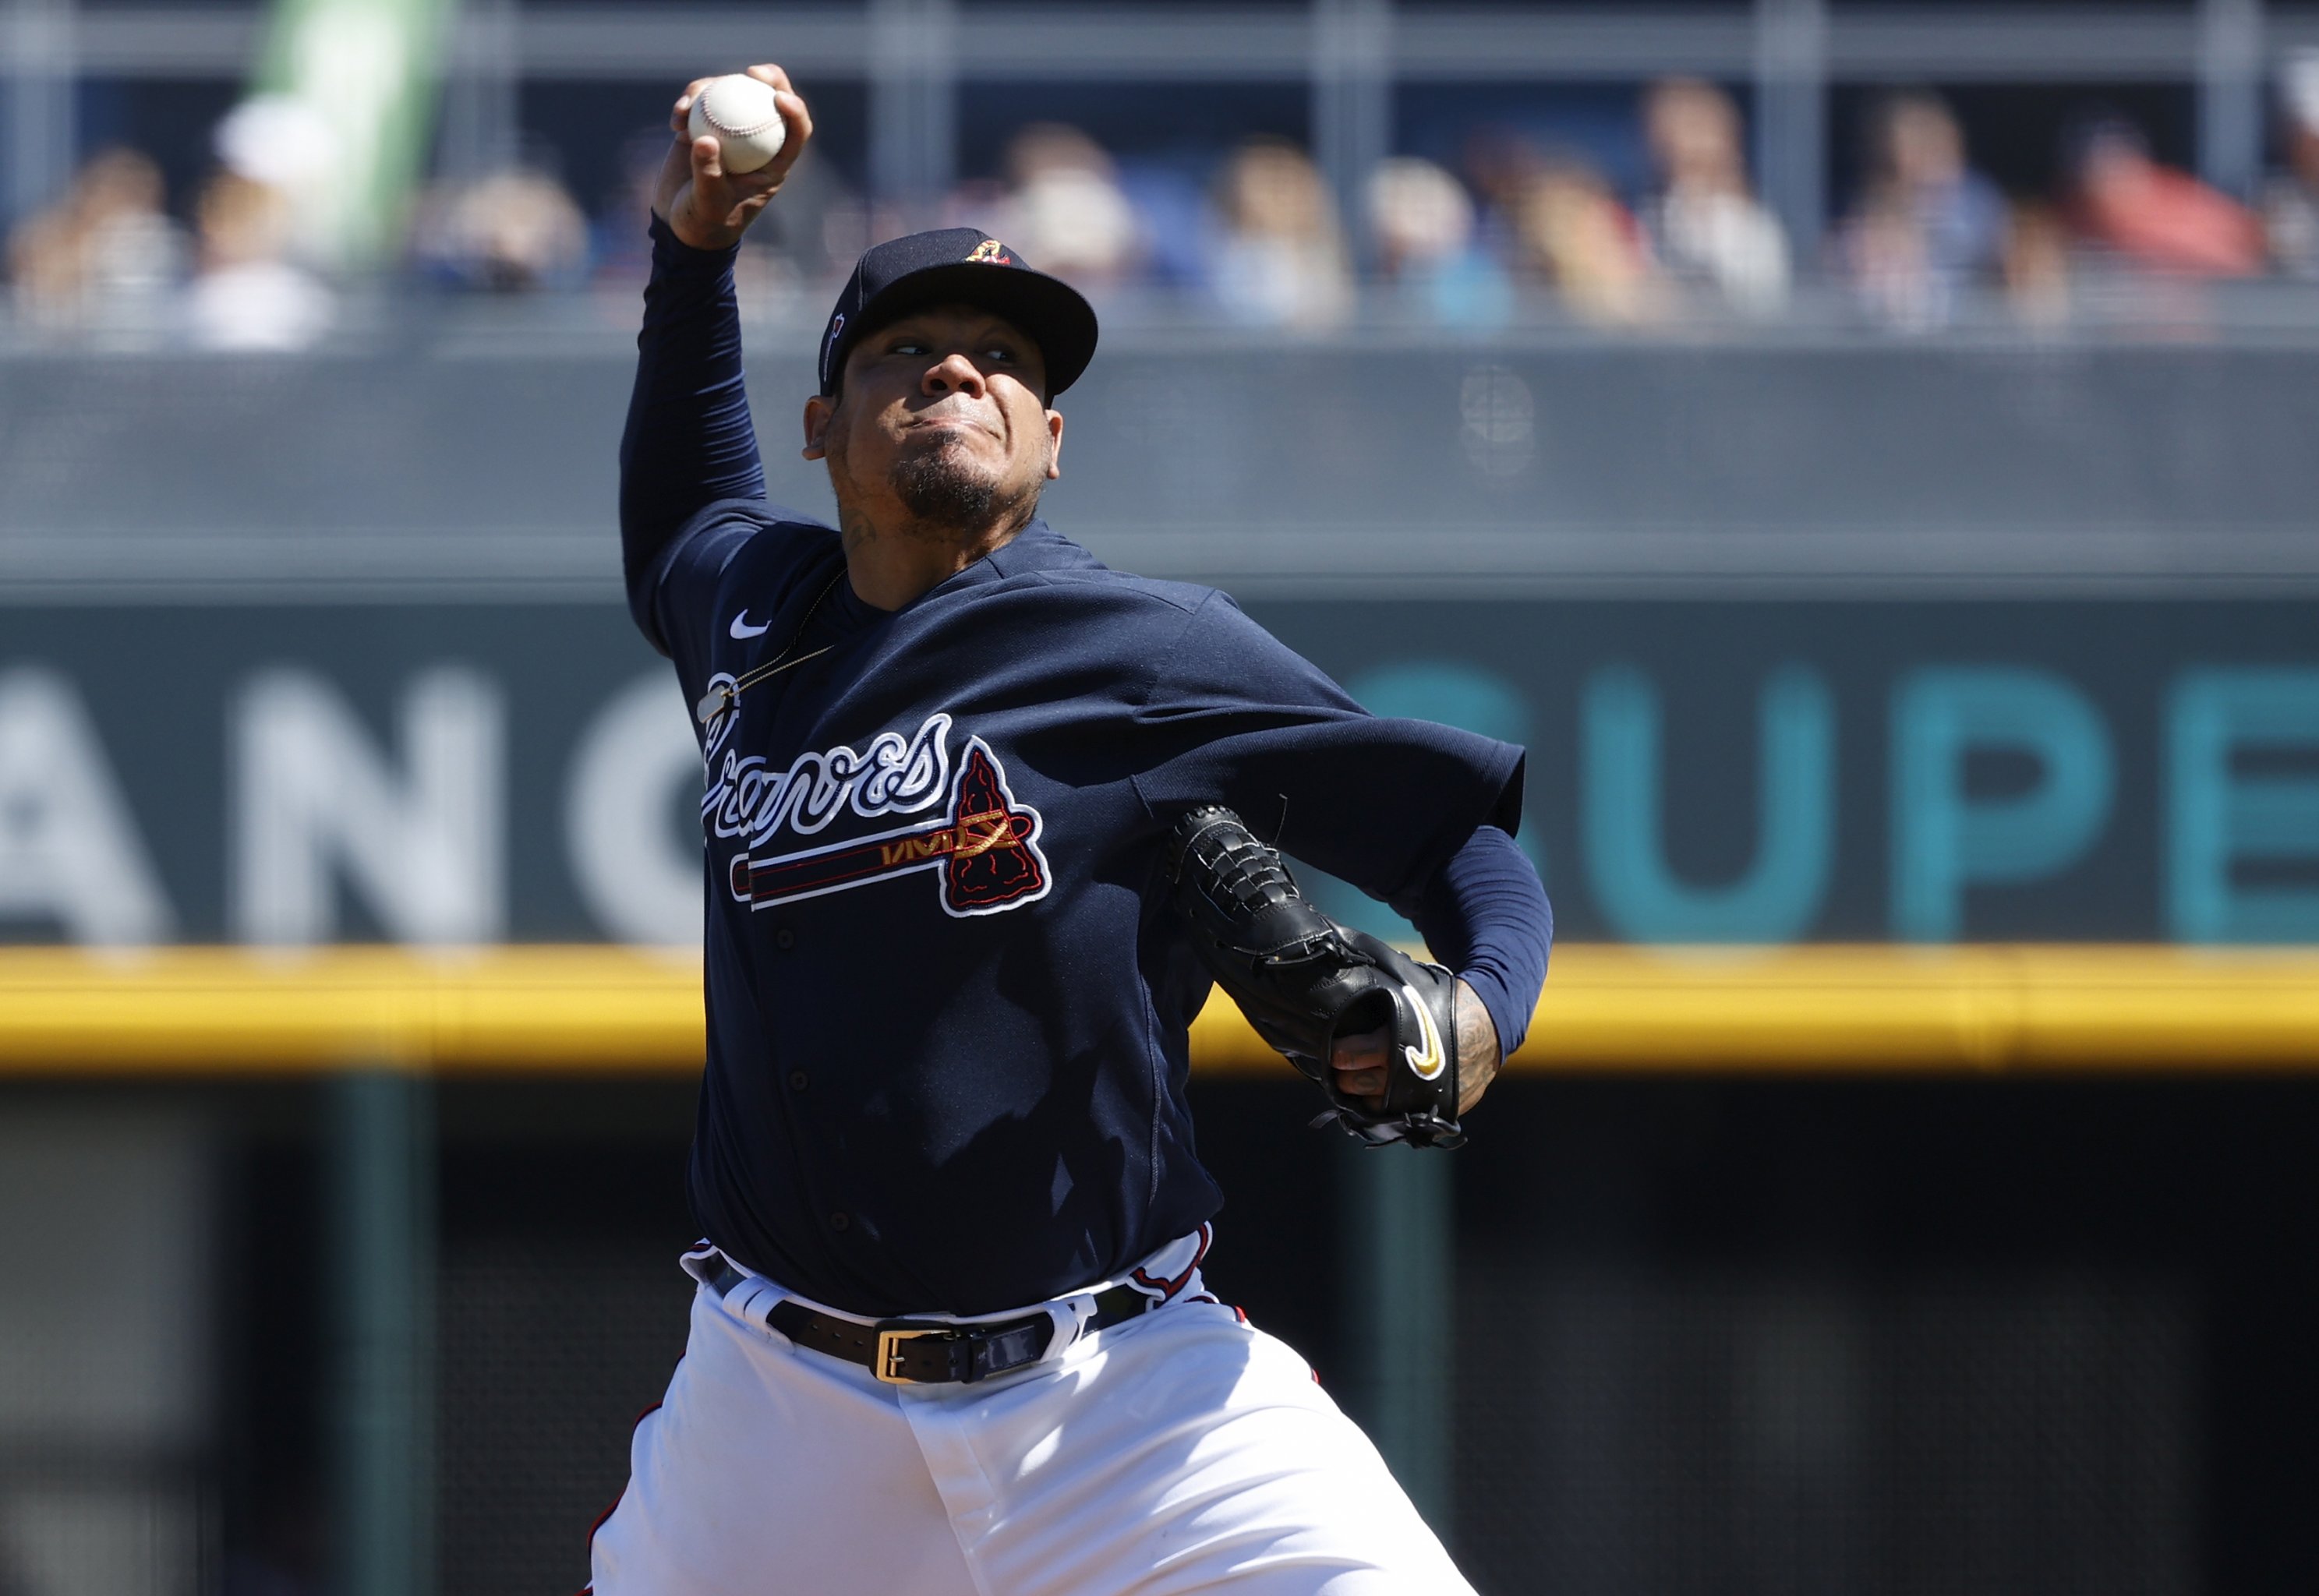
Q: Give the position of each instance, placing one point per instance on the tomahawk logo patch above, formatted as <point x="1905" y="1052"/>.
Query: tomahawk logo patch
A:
<point x="982" y="846"/>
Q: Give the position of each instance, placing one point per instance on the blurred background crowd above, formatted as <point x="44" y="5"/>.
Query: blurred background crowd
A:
<point x="1637" y="209"/>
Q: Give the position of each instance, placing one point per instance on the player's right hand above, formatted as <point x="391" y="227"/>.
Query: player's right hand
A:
<point x="704" y="205"/>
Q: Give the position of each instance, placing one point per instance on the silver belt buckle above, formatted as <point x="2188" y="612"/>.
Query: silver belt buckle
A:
<point x="888" y="1367"/>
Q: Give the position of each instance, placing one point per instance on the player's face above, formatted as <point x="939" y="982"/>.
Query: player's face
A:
<point x="941" y="412"/>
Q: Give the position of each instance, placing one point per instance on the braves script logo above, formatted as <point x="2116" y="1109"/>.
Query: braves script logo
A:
<point x="894" y="775"/>
<point x="984" y="844"/>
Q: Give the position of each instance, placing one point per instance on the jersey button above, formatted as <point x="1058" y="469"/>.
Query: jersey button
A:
<point x="798" y="1079"/>
<point x="785" y="939"/>
<point x="840" y="1221"/>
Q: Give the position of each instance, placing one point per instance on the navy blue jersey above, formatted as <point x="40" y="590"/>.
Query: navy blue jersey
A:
<point x="948" y="1009"/>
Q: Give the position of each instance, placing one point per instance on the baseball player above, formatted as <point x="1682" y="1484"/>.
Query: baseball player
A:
<point x="983" y="818"/>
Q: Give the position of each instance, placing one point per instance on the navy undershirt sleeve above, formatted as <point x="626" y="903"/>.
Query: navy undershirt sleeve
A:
<point x="689" y="442"/>
<point x="1485" y="915"/>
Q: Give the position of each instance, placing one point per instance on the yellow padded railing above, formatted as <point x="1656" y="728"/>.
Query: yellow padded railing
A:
<point x="557" y="1010"/>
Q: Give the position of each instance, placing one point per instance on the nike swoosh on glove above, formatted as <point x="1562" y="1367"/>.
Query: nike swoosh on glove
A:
<point x="1303" y="980"/>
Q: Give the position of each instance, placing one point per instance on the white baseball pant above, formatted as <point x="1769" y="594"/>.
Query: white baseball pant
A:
<point x="1178" y="1452"/>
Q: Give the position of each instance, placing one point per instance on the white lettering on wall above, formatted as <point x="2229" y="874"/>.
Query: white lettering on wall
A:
<point x="69" y="849"/>
<point x="638" y="874"/>
<point x="316" y="801"/>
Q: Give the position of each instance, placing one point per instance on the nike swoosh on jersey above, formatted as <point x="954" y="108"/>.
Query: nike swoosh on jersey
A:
<point x="742" y="630"/>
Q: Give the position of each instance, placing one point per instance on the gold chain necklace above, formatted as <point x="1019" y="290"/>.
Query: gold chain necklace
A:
<point x="724" y="695"/>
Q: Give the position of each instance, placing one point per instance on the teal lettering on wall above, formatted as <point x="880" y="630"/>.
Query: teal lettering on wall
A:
<point x="2215" y="816"/>
<point x="1786" y="884"/>
<point x="1943" y="841"/>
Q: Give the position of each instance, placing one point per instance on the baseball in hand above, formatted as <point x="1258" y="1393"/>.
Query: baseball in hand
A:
<point x="739" y="112"/>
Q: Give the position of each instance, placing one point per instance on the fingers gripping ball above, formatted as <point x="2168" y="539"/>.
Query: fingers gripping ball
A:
<point x="741" y="114"/>
<point x="1303" y="980"/>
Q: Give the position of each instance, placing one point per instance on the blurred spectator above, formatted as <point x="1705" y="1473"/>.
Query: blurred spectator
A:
<point x="1926" y="227"/>
<point x="1282" y="260"/>
<point x="1425" y="227"/>
<point x="1705" y="224"/>
<point x="255" y="289"/>
<point x="1065" y="208"/>
<point x="105" y="256"/>
<point x="2152" y="215"/>
<point x="2290" y="205"/>
<point x="1173" y="199"/>
<point x="2037" y="265"/>
<point x="508" y="232"/>
<point x="1572" y="232"/>
<point x="284" y="144"/>
<point x="1500" y="167"/>
<point x="250" y="294"/>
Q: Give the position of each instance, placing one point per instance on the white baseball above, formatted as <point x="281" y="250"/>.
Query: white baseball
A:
<point x="740" y="114"/>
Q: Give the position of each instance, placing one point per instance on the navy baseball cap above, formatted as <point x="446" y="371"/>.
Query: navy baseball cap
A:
<point x="960" y="265"/>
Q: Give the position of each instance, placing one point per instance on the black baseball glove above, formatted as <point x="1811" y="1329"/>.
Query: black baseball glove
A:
<point x="1303" y="980"/>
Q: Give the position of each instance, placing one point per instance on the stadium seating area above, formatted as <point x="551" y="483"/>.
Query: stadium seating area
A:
<point x="1447" y="185"/>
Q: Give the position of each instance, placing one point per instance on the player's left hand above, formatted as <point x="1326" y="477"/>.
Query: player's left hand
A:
<point x="705" y="206"/>
<point x="1359" y="1059"/>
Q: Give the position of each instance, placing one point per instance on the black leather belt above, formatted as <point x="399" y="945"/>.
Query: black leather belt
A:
<point x="932" y="1351"/>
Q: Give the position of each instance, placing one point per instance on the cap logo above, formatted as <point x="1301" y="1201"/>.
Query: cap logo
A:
<point x="991" y="252"/>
